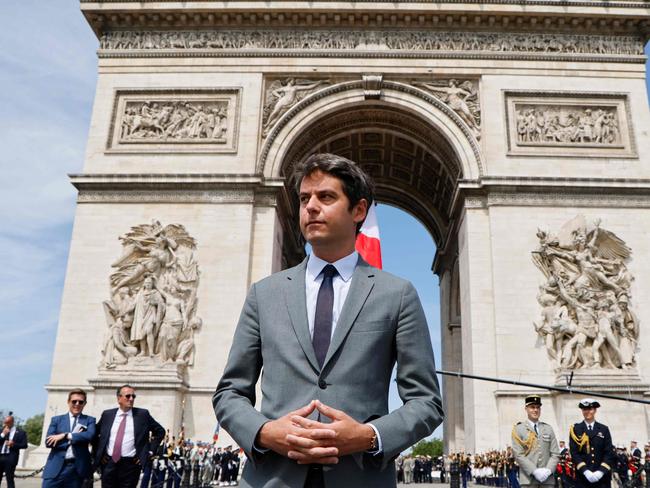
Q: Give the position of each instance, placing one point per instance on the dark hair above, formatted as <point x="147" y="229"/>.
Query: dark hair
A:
<point x="120" y="388"/>
<point x="357" y="185"/>
<point x="77" y="391"/>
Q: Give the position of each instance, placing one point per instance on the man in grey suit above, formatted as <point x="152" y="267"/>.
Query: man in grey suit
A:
<point x="327" y="334"/>
<point x="535" y="446"/>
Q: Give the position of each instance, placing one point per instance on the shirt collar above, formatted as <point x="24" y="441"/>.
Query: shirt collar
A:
<point x="532" y="424"/>
<point x="590" y="424"/>
<point x="345" y="266"/>
<point x="129" y="413"/>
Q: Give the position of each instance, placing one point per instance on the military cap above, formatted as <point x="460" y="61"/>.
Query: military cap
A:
<point x="588" y="403"/>
<point x="533" y="400"/>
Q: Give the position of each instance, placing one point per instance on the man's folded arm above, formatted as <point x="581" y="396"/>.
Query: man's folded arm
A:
<point x="417" y="383"/>
<point x="86" y="435"/>
<point x="234" y="399"/>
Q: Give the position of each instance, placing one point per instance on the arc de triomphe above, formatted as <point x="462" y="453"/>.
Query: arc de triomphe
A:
<point x="516" y="131"/>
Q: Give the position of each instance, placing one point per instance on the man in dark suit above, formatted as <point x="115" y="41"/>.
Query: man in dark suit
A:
<point x="327" y="334"/>
<point x="12" y="440"/>
<point x="591" y="449"/>
<point x="69" y="436"/>
<point x="123" y="443"/>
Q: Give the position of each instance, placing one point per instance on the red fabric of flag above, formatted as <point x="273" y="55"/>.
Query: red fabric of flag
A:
<point x="368" y="243"/>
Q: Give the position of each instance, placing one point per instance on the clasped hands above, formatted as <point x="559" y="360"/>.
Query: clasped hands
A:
<point x="542" y="474"/>
<point x="593" y="476"/>
<point x="307" y="441"/>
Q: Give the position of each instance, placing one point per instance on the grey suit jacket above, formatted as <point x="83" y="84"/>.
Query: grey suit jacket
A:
<point x="381" y="322"/>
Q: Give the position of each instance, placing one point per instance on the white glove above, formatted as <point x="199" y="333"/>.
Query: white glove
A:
<point x="540" y="474"/>
<point x="598" y="475"/>
<point x="591" y="478"/>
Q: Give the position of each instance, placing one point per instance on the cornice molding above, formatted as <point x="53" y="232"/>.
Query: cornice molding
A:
<point x="176" y="188"/>
<point x="626" y="20"/>
<point x="558" y="3"/>
<point x="558" y="192"/>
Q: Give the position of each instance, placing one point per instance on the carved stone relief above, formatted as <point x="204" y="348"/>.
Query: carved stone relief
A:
<point x="346" y="42"/>
<point x="151" y="315"/>
<point x="175" y="120"/>
<point x="586" y="319"/>
<point x="281" y="95"/>
<point x="461" y="97"/>
<point x="569" y="124"/>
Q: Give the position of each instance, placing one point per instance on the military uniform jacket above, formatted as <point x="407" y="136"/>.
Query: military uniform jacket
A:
<point x="592" y="451"/>
<point x="532" y="451"/>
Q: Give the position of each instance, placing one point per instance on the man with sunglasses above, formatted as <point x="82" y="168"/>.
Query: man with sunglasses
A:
<point x="68" y="438"/>
<point x="123" y="444"/>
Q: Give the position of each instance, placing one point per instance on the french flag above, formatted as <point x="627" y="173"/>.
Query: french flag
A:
<point x="368" y="243"/>
<point x="215" y="436"/>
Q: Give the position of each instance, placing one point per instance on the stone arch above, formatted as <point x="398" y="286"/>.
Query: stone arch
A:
<point x="429" y="109"/>
<point x="415" y="147"/>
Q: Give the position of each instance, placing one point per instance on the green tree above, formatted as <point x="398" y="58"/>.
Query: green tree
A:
<point x="431" y="448"/>
<point x="33" y="426"/>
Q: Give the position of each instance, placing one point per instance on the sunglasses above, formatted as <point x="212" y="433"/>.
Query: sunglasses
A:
<point x="78" y="402"/>
<point x="129" y="396"/>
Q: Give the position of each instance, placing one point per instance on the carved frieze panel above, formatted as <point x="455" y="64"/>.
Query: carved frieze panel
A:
<point x="283" y="93"/>
<point x="175" y="120"/>
<point x="568" y="124"/>
<point x="461" y="96"/>
<point x="296" y="42"/>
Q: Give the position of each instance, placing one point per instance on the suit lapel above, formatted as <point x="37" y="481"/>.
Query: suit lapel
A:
<point x="363" y="281"/>
<point x="110" y="418"/>
<point x="295" y="298"/>
<point x="137" y="424"/>
<point x="65" y="425"/>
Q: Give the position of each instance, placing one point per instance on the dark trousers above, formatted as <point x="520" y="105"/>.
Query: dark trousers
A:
<point x="123" y="474"/>
<point x="7" y="468"/>
<point x="146" y="476"/>
<point x="315" y="477"/>
<point x="67" y="478"/>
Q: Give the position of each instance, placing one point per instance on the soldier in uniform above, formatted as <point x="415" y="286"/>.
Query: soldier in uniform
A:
<point x="535" y="446"/>
<point x="591" y="449"/>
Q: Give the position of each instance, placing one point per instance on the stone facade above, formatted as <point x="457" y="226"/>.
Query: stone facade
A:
<point x="485" y="121"/>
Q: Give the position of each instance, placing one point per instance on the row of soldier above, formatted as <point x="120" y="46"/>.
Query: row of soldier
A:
<point x="181" y="462"/>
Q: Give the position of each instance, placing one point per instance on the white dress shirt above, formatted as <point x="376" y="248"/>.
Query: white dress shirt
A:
<point x="532" y="426"/>
<point x="9" y="437"/>
<point x="69" y="453"/>
<point x="128" y="443"/>
<point x="341" y="286"/>
<point x="590" y="425"/>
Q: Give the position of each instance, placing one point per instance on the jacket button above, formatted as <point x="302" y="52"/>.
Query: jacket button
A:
<point x="321" y="384"/>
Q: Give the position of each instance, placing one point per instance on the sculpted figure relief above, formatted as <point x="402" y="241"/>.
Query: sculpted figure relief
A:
<point x="176" y="121"/>
<point x="152" y="310"/>
<point x="557" y="124"/>
<point x="406" y="40"/>
<point x="461" y="98"/>
<point x="585" y="320"/>
<point x="281" y="96"/>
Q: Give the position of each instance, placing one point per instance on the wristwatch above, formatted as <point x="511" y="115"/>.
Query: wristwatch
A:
<point x="373" y="442"/>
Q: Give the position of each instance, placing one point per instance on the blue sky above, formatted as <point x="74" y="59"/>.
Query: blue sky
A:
<point x="47" y="84"/>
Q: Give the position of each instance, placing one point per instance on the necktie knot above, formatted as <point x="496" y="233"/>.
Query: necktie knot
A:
<point x="329" y="271"/>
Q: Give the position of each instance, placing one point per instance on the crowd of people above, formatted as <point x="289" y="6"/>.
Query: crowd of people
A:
<point x="499" y="468"/>
<point x="201" y="464"/>
<point x="419" y="469"/>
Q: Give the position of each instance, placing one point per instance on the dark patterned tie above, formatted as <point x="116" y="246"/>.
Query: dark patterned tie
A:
<point x="323" y="316"/>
